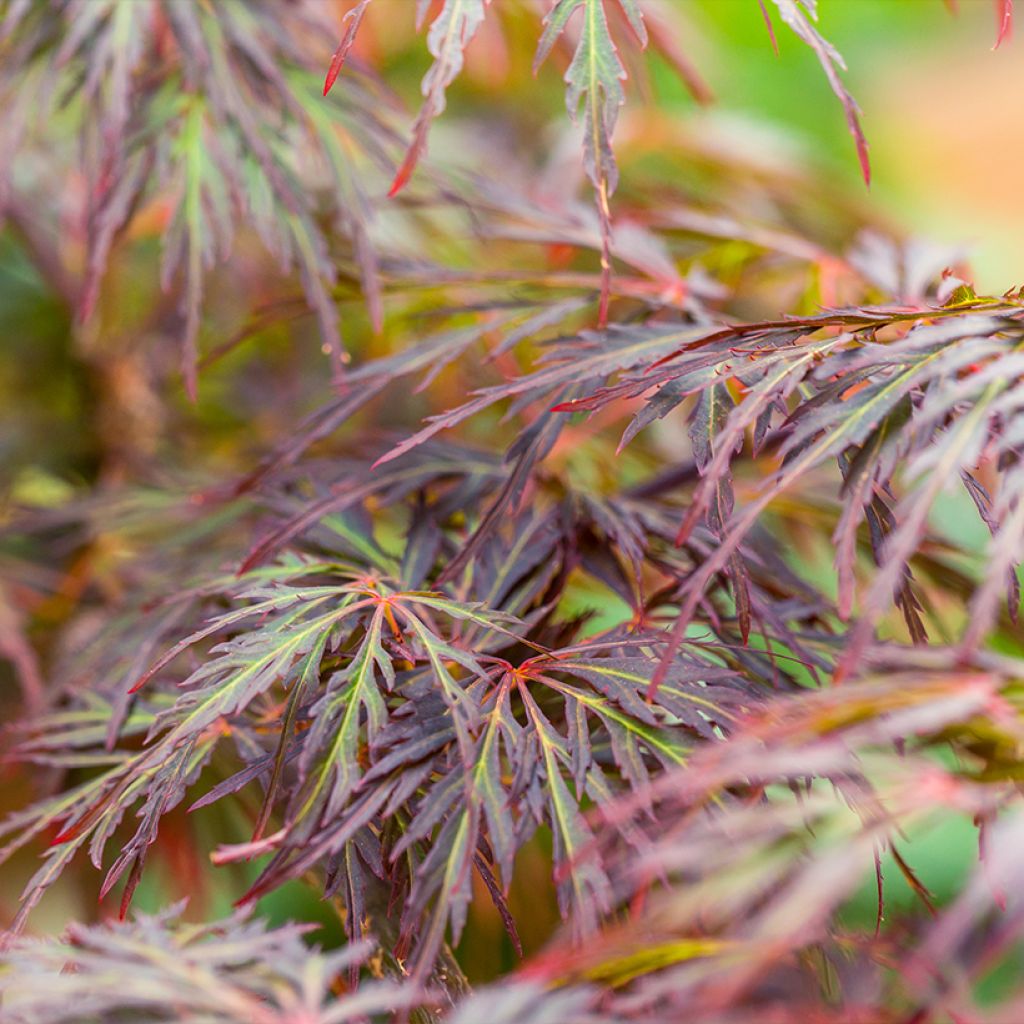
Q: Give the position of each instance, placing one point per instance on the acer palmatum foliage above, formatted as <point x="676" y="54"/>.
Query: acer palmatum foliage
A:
<point x="607" y="540"/>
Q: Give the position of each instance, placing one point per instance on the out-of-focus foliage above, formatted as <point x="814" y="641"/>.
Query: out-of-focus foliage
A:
<point x="594" y="602"/>
<point x="159" y="969"/>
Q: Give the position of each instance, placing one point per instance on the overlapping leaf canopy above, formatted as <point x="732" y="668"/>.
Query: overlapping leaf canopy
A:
<point x="371" y="643"/>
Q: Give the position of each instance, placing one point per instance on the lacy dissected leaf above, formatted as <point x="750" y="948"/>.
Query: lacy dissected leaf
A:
<point x="473" y="769"/>
<point x="813" y="390"/>
<point x="215" y="130"/>
<point x="594" y="79"/>
<point x="923" y="407"/>
<point x="710" y="414"/>
<point x="448" y="36"/>
<point x="739" y="898"/>
<point x="523" y="1002"/>
<point x="578" y="362"/>
<point x="515" y="652"/>
<point x="160" y="968"/>
<point x="401" y="738"/>
<point x="810" y="390"/>
<point x="800" y="15"/>
<point x="354" y="17"/>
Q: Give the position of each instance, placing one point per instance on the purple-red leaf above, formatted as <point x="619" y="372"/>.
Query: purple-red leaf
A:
<point x="354" y="17"/>
<point x="447" y="39"/>
<point x="1004" y="20"/>
<point x="794" y="15"/>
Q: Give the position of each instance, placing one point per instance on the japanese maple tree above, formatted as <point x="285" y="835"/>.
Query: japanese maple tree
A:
<point x="540" y="544"/>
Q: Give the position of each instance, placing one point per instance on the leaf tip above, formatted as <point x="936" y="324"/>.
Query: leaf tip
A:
<point x="1004" y="15"/>
<point x="865" y="160"/>
<point x="401" y="180"/>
